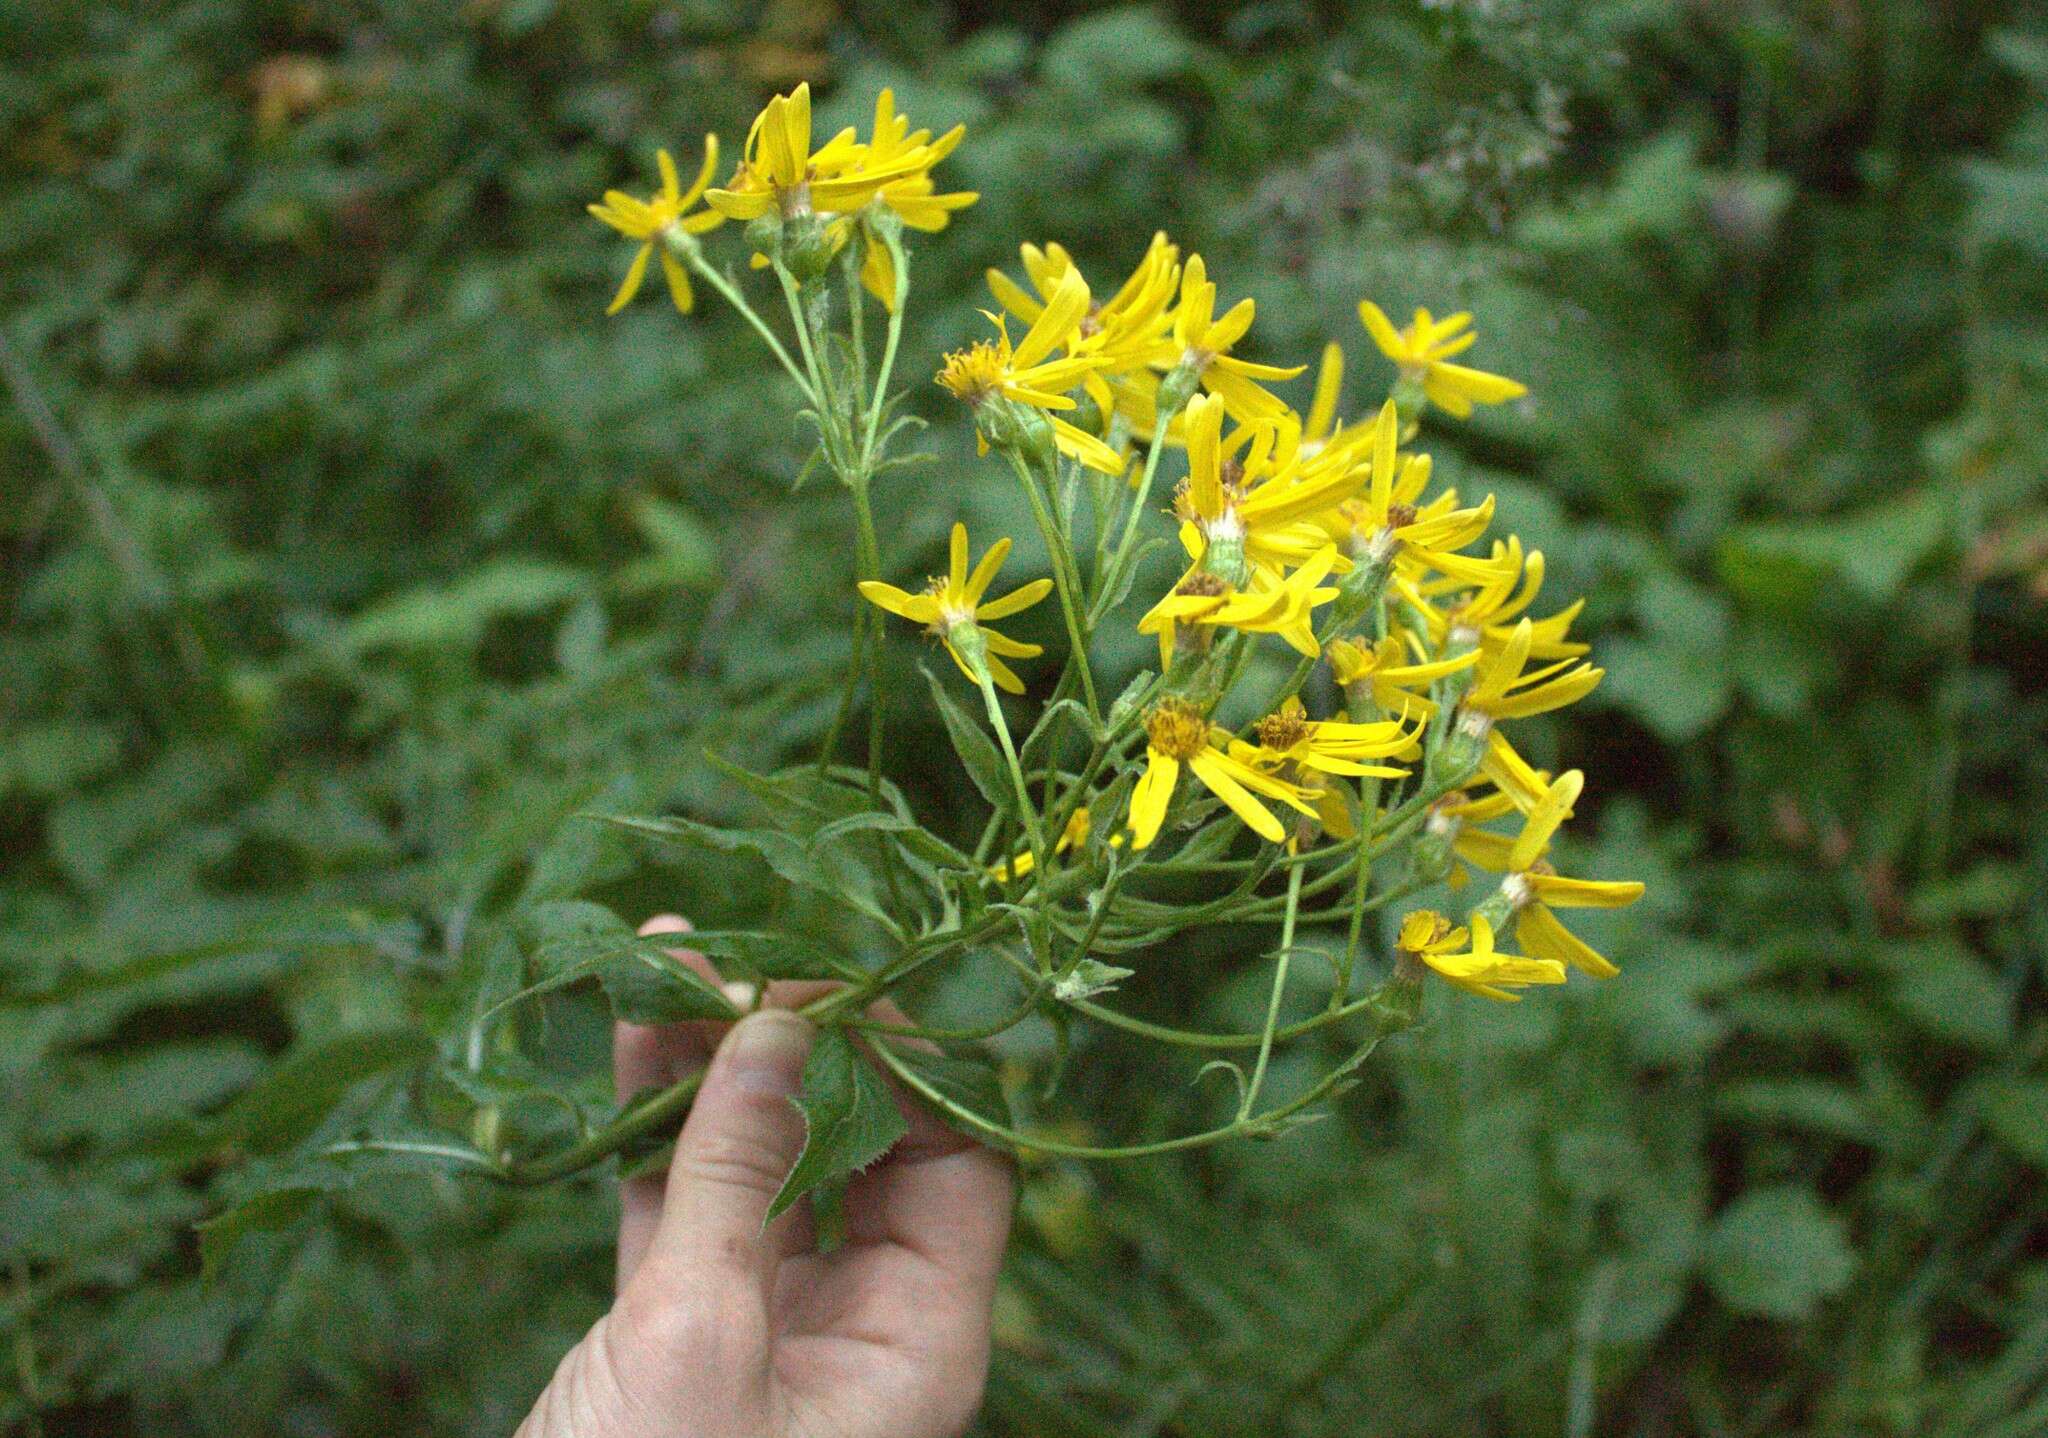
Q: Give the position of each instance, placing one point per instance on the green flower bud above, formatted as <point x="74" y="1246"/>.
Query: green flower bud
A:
<point x="1429" y="858"/>
<point x="764" y="233"/>
<point x="1177" y="388"/>
<point x="808" y="246"/>
<point x="1457" y="758"/>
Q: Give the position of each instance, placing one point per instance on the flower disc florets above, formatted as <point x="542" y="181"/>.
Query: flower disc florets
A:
<point x="1177" y="729"/>
<point x="1283" y="730"/>
<point x="973" y="374"/>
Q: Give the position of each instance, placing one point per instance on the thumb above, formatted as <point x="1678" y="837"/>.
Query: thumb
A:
<point x="741" y="1140"/>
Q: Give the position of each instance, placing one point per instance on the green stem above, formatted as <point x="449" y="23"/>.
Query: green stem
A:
<point x="658" y="1113"/>
<point x="1064" y="578"/>
<point x="1026" y="814"/>
<point x="1106" y="583"/>
<point x="694" y="258"/>
<point x="880" y="394"/>
<point x="1251" y="1093"/>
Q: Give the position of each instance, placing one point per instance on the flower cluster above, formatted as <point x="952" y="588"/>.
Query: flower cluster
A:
<point x="1320" y="537"/>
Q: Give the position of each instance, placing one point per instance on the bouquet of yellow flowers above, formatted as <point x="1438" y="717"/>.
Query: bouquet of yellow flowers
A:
<point x="1316" y="531"/>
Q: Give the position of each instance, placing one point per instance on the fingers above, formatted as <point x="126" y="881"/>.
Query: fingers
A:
<point x="941" y="1196"/>
<point x="738" y="1145"/>
<point x="653" y="1057"/>
<point x="937" y="1193"/>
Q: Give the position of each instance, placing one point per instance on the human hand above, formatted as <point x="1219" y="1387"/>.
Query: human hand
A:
<point x="726" y="1329"/>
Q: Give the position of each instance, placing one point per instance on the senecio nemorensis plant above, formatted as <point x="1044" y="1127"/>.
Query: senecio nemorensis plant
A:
<point x="1302" y="530"/>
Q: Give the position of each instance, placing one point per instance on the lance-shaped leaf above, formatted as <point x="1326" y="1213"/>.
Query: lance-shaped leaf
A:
<point x="850" y="1118"/>
<point x="977" y="751"/>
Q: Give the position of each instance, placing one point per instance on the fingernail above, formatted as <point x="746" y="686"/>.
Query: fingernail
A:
<point x="739" y="994"/>
<point x="766" y="1051"/>
<point x="665" y="924"/>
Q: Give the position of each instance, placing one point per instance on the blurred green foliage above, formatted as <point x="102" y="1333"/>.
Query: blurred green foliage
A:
<point x="349" y="553"/>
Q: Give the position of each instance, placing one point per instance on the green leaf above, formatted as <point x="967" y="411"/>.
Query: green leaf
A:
<point x="2016" y="1112"/>
<point x="454" y="615"/>
<point x="978" y="754"/>
<point x="790" y="857"/>
<point x="1777" y="1252"/>
<point x="1874" y="550"/>
<point x="684" y="555"/>
<point x="850" y="1118"/>
<point x="1952" y="994"/>
<point x="272" y="1211"/>
<point x="576" y="939"/>
<point x="302" y="1089"/>
<point x="963" y="1076"/>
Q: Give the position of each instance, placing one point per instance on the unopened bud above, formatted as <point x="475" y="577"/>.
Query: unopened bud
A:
<point x="808" y="245"/>
<point x="1177" y="388"/>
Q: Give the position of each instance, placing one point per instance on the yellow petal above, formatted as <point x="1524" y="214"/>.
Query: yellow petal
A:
<point x="678" y="281"/>
<point x="1016" y="601"/>
<point x="635" y="272"/>
<point x="1538" y="931"/>
<point x="921" y="608"/>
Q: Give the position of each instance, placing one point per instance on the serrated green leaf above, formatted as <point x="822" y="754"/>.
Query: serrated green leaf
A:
<point x="577" y="939"/>
<point x="850" y="1118"/>
<point x="964" y="1077"/>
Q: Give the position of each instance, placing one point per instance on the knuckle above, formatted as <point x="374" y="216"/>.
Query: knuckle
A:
<point x="752" y="1161"/>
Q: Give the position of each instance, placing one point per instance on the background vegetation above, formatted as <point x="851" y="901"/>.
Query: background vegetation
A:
<point x="349" y="552"/>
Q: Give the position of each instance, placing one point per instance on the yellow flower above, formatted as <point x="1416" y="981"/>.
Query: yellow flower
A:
<point x="1502" y="690"/>
<point x="953" y="603"/>
<point x="781" y="173"/>
<point x="1430" y="938"/>
<point x="1332" y="746"/>
<point x="1492" y="592"/>
<point x="1384" y="521"/>
<point x="1178" y="734"/>
<point x="1532" y="888"/>
<point x="652" y="221"/>
<point x="1030" y="375"/>
<point x="1423" y="351"/>
<point x="1205" y="342"/>
<point x="1127" y="333"/>
<point x="1285" y="607"/>
<point x="1309" y="752"/>
<point x="914" y="198"/>
<point x="1071" y="837"/>
<point x="1388" y="683"/>
<point x="1255" y="515"/>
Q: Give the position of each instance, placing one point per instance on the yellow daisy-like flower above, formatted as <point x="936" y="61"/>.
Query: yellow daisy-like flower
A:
<point x="1532" y="888"/>
<point x="1256" y="515"/>
<point x="953" y="602"/>
<point x="1384" y="521"/>
<point x="1429" y="938"/>
<point x="1385" y="681"/>
<point x="1205" y="340"/>
<point x="1332" y="746"/>
<point x="1491" y="592"/>
<point x="1127" y="333"/>
<point x="1423" y="351"/>
<point x="1179" y="735"/>
<point x="914" y="198"/>
<point x="652" y="221"/>
<point x="781" y="173"/>
<point x="1502" y="690"/>
<point x="1072" y="837"/>
<point x="1285" y="607"/>
<point x="1029" y="374"/>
